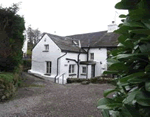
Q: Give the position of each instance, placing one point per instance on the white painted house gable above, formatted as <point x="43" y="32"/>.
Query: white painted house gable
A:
<point x="45" y="53"/>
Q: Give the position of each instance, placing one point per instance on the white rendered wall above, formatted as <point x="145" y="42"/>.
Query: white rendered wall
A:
<point x="39" y="57"/>
<point x="100" y="55"/>
<point x="64" y="64"/>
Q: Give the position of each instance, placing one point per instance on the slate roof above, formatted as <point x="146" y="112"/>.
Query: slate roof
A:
<point x="65" y="44"/>
<point x="96" y="39"/>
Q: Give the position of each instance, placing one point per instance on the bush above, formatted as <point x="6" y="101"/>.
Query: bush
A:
<point x="9" y="83"/>
<point x="101" y="80"/>
<point x="7" y="88"/>
<point x="76" y="80"/>
<point x="98" y="80"/>
<point x="26" y="65"/>
<point x="11" y="36"/>
<point x="131" y="63"/>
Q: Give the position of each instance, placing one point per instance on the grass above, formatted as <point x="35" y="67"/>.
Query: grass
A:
<point x="7" y="76"/>
<point x="31" y="85"/>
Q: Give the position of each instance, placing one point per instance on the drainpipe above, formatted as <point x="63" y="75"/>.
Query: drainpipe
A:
<point x="79" y="58"/>
<point x="57" y="66"/>
<point x="87" y="61"/>
<point x="78" y="63"/>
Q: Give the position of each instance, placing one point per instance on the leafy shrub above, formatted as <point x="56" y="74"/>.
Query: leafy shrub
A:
<point x="11" y="36"/>
<point x="131" y="62"/>
<point x="7" y="85"/>
<point x="9" y="82"/>
<point x="26" y="64"/>
<point x="98" y="80"/>
<point x="76" y="80"/>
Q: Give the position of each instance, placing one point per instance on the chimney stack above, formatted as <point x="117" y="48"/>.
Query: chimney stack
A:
<point x="112" y="27"/>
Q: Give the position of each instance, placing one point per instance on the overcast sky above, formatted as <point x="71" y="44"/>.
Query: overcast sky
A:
<point x="67" y="17"/>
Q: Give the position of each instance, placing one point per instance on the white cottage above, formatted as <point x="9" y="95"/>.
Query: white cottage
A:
<point x="78" y="56"/>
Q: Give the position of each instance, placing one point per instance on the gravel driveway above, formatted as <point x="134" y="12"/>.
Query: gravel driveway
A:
<point x="40" y="98"/>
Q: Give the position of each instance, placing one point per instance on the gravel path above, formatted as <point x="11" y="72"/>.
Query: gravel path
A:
<point x="42" y="98"/>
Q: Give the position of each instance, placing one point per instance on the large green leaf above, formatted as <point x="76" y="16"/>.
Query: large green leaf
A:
<point x="130" y="97"/>
<point x="126" y="4"/>
<point x="133" y="24"/>
<point x="125" y="56"/>
<point x="147" y="68"/>
<point x="124" y="30"/>
<point x="125" y="80"/>
<point x="111" y="61"/>
<point x="107" y="103"/>
<point x="108" y="91"/>
<point x="118" y="66"/>
<point x="147" y="86"/>
<point x="129" y="111"/>
<point x="141" y="31"/>
<point x="128" y="43"/>
<point x="105" y="113"/>
<point x="136" y="80"/>
<point x="146" y="23"/>
<point x="122" y="38"/>
<point x="145" y="48"/>
<point x="141" y="11"/>
<point x="122" y="16"/>
<point x="142" y="99"/>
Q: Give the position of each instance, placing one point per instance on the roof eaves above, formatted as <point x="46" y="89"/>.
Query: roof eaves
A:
<point x="73" y="51"/>
<point x="101" y="47"/>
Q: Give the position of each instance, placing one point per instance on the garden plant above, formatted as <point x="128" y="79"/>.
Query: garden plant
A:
<point x="131" y="63"/>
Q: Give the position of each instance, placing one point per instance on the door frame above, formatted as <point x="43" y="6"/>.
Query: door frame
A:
<point x="92" y="71"/>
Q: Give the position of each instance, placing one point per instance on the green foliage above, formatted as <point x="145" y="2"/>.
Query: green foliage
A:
<point x="76" y="80"/>
<point x="8" y="77"/>
<point x="131" y="63"/>
<point x="98" y="80"/>
<point x="11" y="36"/>
<point x="26" y="64"/>
<point x="9" y="82"/>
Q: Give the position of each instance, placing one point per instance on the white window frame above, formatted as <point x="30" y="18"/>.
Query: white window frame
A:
<point x="92" y="56"/>
<point x="71" y="68"/>
<point x="48" y="67"/>
<point x="84" y="68"/>
<point x="46" y="47"/>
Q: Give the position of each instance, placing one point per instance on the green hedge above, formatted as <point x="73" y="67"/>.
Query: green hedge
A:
<point x="76" y="80"/>
<point x="26" y="65"/>
<point x="98" y="80"/>
<point x="9" y="83"/>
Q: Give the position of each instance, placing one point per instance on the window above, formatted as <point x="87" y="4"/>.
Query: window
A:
<point x="48" y="67"/>
<point x="71" y="68"/>
<point x="84" y="70"/>
<point x="92" y="56"/>
<point x="46" y="47"/>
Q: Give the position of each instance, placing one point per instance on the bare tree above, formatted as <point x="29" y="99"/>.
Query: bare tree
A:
<point x="33" y="35"/>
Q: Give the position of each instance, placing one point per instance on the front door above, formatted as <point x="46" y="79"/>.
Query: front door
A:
<point x="92" y="71"/>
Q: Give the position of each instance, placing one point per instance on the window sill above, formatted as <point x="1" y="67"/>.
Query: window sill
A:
<point x="83" y="74"/>
<point x="72" y="74"/>
<point x="45" y="51"/>
<point x="47" y="74"/>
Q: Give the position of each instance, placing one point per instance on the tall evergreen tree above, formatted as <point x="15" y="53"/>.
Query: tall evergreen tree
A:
<point x="11" y="36"/>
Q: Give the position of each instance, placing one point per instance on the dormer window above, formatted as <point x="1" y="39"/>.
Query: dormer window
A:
<point x="75" y="43"/>
<point x="92" y="56"/>
<point x="46" y="47"/>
